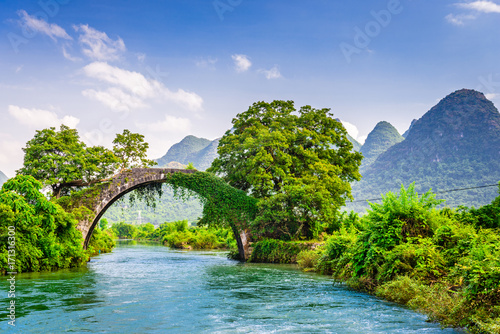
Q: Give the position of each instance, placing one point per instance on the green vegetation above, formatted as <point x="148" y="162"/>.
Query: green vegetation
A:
<point x="278" y="251"/>
<point x="59" y="159"/>
<point x="178" y="234"/>
<point x="44" y="235"/>
<point x="445" y="263"/>
<point x="297" y="164"/>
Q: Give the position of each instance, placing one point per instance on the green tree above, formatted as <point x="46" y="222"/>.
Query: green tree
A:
<point x="59" y="159"/>
<point x="131" y="149"/>
<point x="297" y="163"/>
<point x="44" y="235"/>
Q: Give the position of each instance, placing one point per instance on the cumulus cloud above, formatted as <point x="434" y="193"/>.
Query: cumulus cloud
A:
<point x="273" y="73"/>
<point x="475" y="8"/>
<point x="50" y="29"/>
<point x="39" y="118"/>
<point x="481" y="6"/>
<point x="130" y="89"/>
<point x="460" y="19"/>
<point x="97" y="45"/>
<point x="115" y="99"/>
<point x="241" y="62"/>
<point x="169" y="124"/>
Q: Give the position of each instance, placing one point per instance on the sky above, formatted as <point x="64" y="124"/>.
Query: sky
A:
<point x="167" y="69"/>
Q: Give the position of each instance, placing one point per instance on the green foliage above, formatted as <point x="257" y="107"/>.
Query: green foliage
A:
<point x="277" y="251"/>
<point x="124" y="231"/>
<point x="440" y="262"/>
<point x="131" y="150"/>
<point x="308" y="259"/>
<point x="102" y="241"/>
<point x="61" y="160"/>
<point x="298" y="164"/>
<point x="223" y="205"/>
<point x="190" y="166"/>
<point x="45" y="235"/>
<point x="103" y="224"/>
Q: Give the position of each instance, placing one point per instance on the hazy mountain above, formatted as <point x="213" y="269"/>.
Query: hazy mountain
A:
<point x="3" y="178"/>
<point x="200" y="151"/>
<point x="383" y="136"/>
<point x="454" y="145"/>
<point x="408" y="131"/>
<point x="355" y="144"/>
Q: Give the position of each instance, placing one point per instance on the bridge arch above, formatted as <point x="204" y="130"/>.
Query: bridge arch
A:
<point x="221" y="202"/>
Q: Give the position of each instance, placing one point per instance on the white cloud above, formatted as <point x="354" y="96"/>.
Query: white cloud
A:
<point x="68" y="56"/>
<point x="241" y="62"/>
<point x="273" y="73"/>
<point x="361" y="139"/>
<point x="491" y="96"/>
<point x="134" y="82"/>
<point x="170" y="124"/>
<point x="50" y="29"/>
<point x="115" y="99"/>
<point x="141" y="57"/>
<point x="38" y="118"/>
<point x="460" y="19"/>
<point x="130" y="89"/>
<point x="481" y="6"/>
<point x="352" y="130"/>
<point x="97" y="45"/>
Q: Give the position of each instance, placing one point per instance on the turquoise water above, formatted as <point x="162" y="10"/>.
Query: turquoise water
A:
<point x="148" y="288"/>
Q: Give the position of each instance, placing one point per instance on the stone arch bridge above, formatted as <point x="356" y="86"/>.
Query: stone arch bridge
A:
<point x="132" y="179"/>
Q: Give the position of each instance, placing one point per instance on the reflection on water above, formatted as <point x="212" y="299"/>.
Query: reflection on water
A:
<point x="147" y="288"/>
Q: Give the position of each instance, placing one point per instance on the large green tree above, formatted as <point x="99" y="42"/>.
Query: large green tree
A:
<point x="59" y="159"/>
<point x="131" y="149"/>
<point x="297" y="163"/>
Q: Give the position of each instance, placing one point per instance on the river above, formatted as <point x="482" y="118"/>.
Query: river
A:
<point x="148" y="288"/>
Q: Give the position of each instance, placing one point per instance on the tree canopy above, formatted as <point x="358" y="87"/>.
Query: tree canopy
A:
<point x="298" y="164"/>
<point x="62" y="161"/>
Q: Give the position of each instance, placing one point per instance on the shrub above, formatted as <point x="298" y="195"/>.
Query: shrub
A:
<point x="308" y="259"/>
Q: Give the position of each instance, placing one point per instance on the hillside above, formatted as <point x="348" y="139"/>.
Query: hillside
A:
<point x="383" y="136"/>
<point x="355" y="144"/>
<point x="199" y="151"/>
<point x="454" y="145"/>
<point x="3" y="178"/>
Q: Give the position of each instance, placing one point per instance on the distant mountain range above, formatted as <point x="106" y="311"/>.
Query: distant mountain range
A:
<point x="454" y="145"/>
<point x="3" y="178"/>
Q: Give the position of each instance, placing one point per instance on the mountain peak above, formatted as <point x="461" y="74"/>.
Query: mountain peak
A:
<point x="383" y="136"/>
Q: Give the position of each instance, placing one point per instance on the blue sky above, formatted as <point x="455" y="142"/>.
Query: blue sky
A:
<point x="168" y="69"/>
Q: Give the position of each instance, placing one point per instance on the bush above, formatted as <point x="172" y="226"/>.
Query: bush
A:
<point x="308" y="259"/>
<point x="277" y="251"/>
